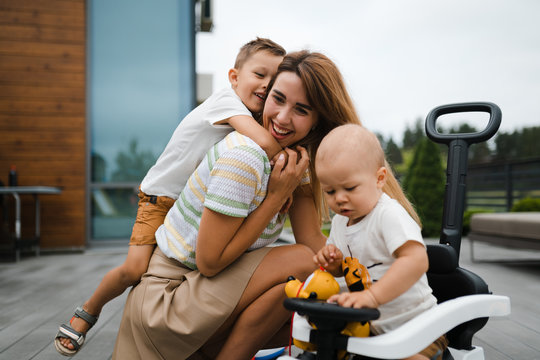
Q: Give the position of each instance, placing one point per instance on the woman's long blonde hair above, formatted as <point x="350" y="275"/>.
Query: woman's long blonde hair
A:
<point x="328" y="96"/>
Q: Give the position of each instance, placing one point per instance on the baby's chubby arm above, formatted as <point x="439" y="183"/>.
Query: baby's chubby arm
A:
<point x="248" y="126"/>
<point x="411" y="263"/>
<point x="330" y="258"/>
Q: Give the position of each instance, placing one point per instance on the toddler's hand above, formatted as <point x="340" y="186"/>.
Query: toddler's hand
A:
<point x="330" y="258"/>
<point x="356" y="299"/>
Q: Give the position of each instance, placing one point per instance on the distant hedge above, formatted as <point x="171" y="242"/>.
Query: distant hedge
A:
<point x="467" y="215"/>
<point x="526" y="204"/>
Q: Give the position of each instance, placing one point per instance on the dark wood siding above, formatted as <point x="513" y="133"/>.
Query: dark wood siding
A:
<point x="42" y="111"/>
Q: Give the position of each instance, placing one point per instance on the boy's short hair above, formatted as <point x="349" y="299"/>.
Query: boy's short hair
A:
<point x="254" y="46"/>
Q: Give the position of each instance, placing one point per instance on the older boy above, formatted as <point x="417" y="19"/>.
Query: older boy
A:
<point x="230" y="109"/>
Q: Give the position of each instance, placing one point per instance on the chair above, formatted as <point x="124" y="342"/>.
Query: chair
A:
<point x="464" y="300"/>
<point x="6" y="239"/>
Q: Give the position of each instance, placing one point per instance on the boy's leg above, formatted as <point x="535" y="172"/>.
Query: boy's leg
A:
<point x="114" y="283"/>
<point x="150" y="215"/>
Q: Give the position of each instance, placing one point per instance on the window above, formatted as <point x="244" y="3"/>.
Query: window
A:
<point x="141" y="83"/>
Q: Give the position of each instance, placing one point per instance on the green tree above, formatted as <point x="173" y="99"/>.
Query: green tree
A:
<point x="424" y="184"/>
<point x="393" y="153"/>
<point x="520" y="144"/>
<point x="133" y="164"/>
<point x="506" y="146"/>
<point x="413" y="135"/>
<point x="529" y="146"/>
<point x="413" y="164"/>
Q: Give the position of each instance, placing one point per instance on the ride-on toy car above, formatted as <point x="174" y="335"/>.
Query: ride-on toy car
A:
<point x="464" y="300"/>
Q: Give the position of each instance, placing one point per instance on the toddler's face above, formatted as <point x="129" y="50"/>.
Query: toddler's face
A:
<point x="251" y="80"/>
<point x="350" y="188"/>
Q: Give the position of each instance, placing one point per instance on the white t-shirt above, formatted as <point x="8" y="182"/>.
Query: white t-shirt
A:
<point x="372" y="241"/>
<point x="190" y="141"/>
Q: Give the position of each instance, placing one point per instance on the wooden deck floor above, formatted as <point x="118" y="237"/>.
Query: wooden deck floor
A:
<point x="38" y="294"/>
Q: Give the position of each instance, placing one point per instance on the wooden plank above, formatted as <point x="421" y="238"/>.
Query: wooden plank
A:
<point x="67" y="19"/>
<point x="11" y="156"/>
<point x="511" y="337"/>
<point x="512" y="344"/>
<point x="39" y="278"/>
<point x="18" y="147"/>
<point x="50" y="5"/>
<point x="47" y="108"/>
<point x="50" y="91"/>
<point x="33" y="143"/>
<point x="8" y="155"/>
<point x="43" y="109"/>
<point x="43" y="77"/>
<point x="71" y="168"/>
<point x="16" y="137"/>
<point x="41" y="33"/>
<point x="42" y="123"/>
<point x="20" y="160"/>
<point x="38" y="49"/>
<point x="63" y="218"/>
<point x="46" y="286"/>
<point x="53" y="304"/>
<point x="491" y="352"/>
<point x="18" y="62"/>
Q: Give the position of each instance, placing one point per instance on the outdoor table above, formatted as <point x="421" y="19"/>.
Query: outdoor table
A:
<point x="30" y="190"/>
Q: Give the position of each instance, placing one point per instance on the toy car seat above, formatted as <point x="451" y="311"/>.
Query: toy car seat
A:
<point x="464" y="300"/>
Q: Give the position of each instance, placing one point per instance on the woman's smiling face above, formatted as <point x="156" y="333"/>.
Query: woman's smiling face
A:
<point x="287" y="114"/>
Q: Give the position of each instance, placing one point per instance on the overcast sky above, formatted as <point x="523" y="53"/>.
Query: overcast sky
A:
<point x="399" y="58"/>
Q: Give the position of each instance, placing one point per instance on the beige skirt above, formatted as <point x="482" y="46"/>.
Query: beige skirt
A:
<point x="173" y="311"/>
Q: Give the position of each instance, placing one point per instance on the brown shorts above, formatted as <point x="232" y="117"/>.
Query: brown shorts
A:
<point x="150" y="215"/>
<point x="438" y="345"/>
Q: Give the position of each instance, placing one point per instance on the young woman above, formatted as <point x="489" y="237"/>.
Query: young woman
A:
<point x="213" y="288"/>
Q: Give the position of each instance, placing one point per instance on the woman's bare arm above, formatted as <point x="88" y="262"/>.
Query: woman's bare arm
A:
<point x="305" y="219"/>
<point x="222" y="239"/>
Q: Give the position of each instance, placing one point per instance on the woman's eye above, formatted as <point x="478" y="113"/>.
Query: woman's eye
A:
<point x="278" y="99"/>
<point x="301" y="111"/>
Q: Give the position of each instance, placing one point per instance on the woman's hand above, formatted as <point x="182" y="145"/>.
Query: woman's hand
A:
<point x="275" y="158"/>
<point x="287" y="205"/>
<point x="286" y="174"/>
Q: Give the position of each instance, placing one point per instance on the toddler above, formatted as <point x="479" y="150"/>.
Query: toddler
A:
<point x="376" y="230"/>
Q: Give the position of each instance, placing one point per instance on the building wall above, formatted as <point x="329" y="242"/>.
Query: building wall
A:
<point x="42" y="111"/>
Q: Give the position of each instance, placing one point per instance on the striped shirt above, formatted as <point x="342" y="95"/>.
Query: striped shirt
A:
<point x="232" y="180"/>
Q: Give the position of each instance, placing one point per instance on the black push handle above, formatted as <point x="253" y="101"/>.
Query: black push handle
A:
<point x="456" y="168"/>
<point x="495" y="117"/>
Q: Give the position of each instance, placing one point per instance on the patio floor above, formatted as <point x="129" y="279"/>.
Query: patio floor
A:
<point x="39" y="293"/>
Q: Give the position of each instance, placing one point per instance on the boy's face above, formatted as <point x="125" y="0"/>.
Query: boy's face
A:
<point x="351" y="188"/>
<point x="251" y="80"/>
